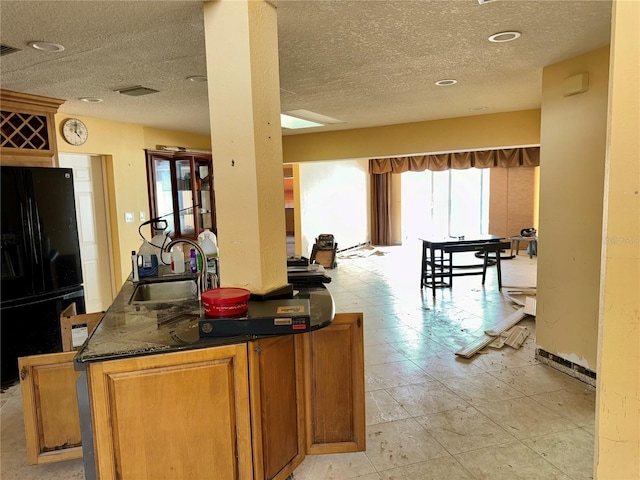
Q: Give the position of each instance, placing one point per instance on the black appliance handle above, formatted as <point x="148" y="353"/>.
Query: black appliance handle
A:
<point x="31" y="212"/>
<point x="37" y="228"/>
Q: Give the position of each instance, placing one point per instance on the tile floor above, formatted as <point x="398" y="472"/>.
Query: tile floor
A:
<point x="430" y="415"/>
<point x="434" y="416"/>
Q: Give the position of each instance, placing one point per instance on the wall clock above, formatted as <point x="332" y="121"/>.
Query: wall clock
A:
<point x="74" y="131"/>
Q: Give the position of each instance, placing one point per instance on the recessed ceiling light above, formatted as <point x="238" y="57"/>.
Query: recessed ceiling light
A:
<point x="197" y="78"/>
<point x="46" y="46"/>
<point x="90" y="99"/>
<point x="446" y="83"/>
<point x="501" y="37"/>
<point x="478" y="109"/>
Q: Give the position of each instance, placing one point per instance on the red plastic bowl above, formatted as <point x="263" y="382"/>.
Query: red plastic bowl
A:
<point x="225" y="302"/>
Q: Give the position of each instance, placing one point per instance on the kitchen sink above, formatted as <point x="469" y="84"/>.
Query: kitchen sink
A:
<point x="173" y="291"/>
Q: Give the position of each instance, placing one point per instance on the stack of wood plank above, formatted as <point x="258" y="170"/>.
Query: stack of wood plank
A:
<point x="506" y="332"/>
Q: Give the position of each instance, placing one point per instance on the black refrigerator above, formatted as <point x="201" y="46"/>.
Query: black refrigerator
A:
<point x="40" y="254"/>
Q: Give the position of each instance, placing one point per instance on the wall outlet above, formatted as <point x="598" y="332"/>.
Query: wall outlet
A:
<point x="143" y="216"/>
<point x="128" y="217"/>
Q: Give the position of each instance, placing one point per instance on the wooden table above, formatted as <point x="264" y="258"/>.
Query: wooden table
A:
<point x="435" y="267"/>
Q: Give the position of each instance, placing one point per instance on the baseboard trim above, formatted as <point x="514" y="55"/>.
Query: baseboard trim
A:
<point x="565" y="366"/>
<point x="365" y="244"/>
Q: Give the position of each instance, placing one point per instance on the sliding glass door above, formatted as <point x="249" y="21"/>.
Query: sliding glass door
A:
<point x="447" y="203"/>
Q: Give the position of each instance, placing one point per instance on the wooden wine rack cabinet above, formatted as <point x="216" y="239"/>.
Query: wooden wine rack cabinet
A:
<point x="27" y="129"/>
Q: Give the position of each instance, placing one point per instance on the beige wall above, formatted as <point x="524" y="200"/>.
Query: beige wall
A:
<point x="334" y="199"/>
<point x="572" y="158"/>
<point x="122" y="145"/>
<point x="512" y="200"/>
<point x="453" y="134"/>
<point x="618" y="393"/>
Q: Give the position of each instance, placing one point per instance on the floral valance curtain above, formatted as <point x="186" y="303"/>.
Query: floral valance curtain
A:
<point x="506" y="158"/>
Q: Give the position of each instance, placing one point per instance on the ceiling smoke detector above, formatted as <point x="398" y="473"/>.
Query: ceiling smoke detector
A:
<point x="136" y="91"/>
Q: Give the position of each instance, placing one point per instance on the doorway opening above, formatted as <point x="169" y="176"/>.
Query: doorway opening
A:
<point x="289" y="210"/>
<point x="93" y="231"/>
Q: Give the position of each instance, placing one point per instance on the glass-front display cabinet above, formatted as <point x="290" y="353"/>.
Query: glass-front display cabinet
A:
<point x="181" y="192"/>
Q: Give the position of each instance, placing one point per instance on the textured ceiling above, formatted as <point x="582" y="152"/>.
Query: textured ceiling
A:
<point x="364" y="62"/>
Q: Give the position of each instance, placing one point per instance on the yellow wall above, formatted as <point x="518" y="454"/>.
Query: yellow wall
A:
<point x="572" y="158"/>
<point x="122" y="145"/>
<point x="453" y="134"/>
<point x="154" y="137"/>
<point x="618" y="391"/>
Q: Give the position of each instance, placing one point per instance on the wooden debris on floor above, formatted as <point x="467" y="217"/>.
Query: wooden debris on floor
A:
<point x="517" y="336"/>
<point x="498" y="342"/>
<point x="507" y="323"/>
<point x="490" y="335"/>
<point x="513" y="338"/>
<point x="519" y="295"/>
<point x="475" y="346"/>
<point x="506" y="332"/>
<point x="530" y="306"/>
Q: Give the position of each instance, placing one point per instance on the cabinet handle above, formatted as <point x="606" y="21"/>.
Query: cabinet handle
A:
<point x="258" y="349"/>
<point x="359" y="322"/>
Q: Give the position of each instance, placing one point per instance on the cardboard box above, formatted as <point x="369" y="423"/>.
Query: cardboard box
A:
<point x="326" y="258"/>
<point x="75" y="329"/>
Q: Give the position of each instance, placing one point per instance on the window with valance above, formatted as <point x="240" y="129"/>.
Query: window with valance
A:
<point x="505" y="158"/>
<point x="382" y="168"/>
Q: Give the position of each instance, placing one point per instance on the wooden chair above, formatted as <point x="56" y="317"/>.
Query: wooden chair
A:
<point x="496" y="248"/>
<point x="447" y="266"/>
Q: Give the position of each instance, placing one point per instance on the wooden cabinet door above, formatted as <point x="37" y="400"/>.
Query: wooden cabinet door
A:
<point x="50" y="407"/>
<point x="177" y="415"/>
<point x="277" y="406"/>
<point x="334" y="387"/>
<point x="28" y="129"/>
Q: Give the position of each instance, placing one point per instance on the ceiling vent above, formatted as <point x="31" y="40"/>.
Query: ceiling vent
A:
<point x="6" y="50"/>
<point x="136" y="91"/>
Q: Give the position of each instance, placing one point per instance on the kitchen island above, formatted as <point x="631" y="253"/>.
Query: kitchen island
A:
<point x="156" y="401"/>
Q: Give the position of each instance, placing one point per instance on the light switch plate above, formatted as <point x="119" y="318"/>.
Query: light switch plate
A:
<point x="128" y="217"/>
<point x="143" y="216"/>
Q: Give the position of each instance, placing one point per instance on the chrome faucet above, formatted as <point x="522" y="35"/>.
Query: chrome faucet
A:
<point x="202" y="277"/>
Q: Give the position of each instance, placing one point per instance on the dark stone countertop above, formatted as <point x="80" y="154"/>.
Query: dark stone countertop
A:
<point x="130" y="330"/>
